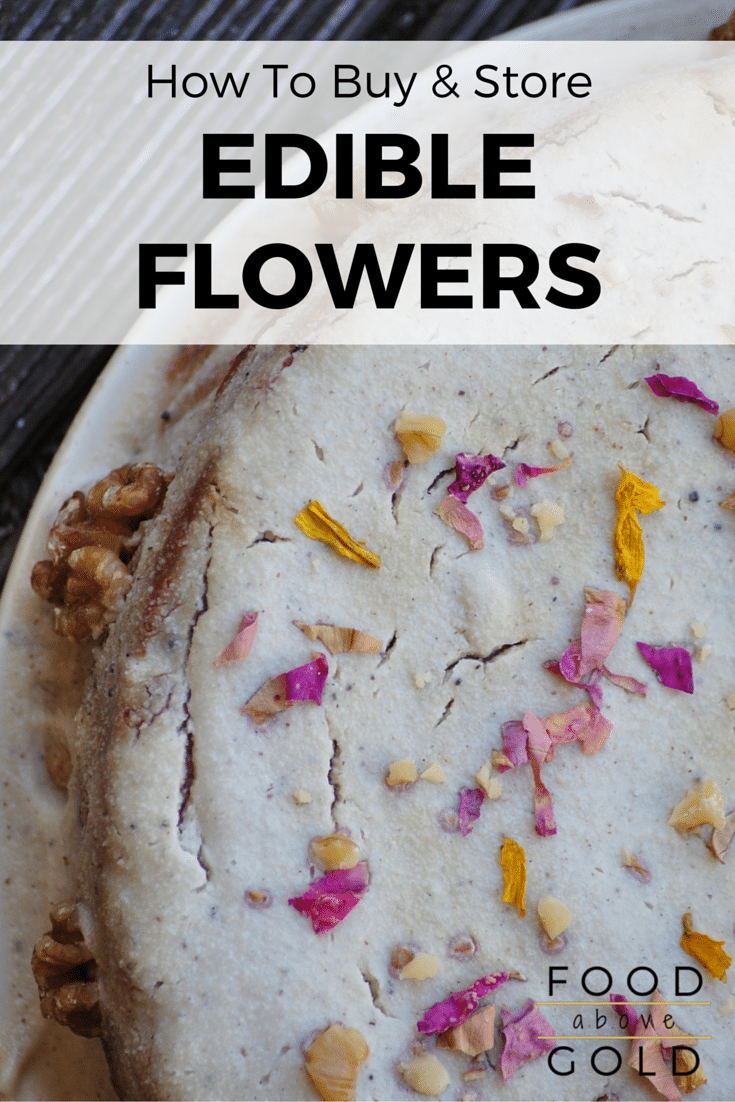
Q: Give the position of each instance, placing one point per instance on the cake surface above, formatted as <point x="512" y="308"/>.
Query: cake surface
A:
<point x="193" y="820"/>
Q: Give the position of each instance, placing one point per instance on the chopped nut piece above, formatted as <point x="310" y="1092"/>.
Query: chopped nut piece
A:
<point x="521" y="524"/>
<point x="636" y="867"/>
<point x="423" y="966"/>
<point x="553" y="915"/>
<point x="690" y="1077"/>
<point x="65" y="971"/>
<point x="425" y="1074"/>
<point x="462" y="947"/>
<point x="333" y="1061"/>
<point x="698" y="629"/>
<point x="703" y="653"/>
<point x="548" y="515"/>
<point x="91" y="541"/>
<point x="421" y="680"/>
<point x="301" y="796"/>
<point x="400" y="957"/>
<point x="335" y="851"/>
<point x="474" y="1036"/>
<point x="705" y="805"/>
<point x="419" y="436"/>
<point x="58" y="761"/>
<point x="491" y="785"/>
<point x="434" y="774"/>
<point x="259" y="899"/>
<point x="401" y="772"/>
<point x="730" y="701"/>
<point x="725" y="429"/>
<point x="559" y="450"/>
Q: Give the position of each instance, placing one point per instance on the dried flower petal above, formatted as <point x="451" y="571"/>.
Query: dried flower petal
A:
<point x="722" y="836"/>
<point x="470" y="803"/>
<point x="636" y="867"/>
<point x="527" y="1035"/>
<point x="317" y="524"/>
<point x="420" y="436"/>
<point x="699" y="806"/>
<point x="472" y="471"/>
<point x="650" y="1041"/>
<point x="454" y="513"/>
<point x="473" y="1036"/>
<point x="681" y="388"/>
<point x="242" y="644"/>
<point x="583" y="662"/>
<point x="672" y="666"/>
<point x="340" y="640"/>
<point x="513" y="864"/>
<point x="704" y="949"/>
<point x="632" y="496"/>
<point x="523" y="472"/>
<point x="333" y="1060"/>
<point x="298" y="686"/>
<point x="457" y="1007"/>
<point x="331" y="898"/>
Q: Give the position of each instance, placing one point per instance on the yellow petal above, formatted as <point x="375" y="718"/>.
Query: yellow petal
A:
<point x="704" y="949"/>
<point x="317" y="524"/>
<point x="633" y="495"/>
<point x="513" y="864"/>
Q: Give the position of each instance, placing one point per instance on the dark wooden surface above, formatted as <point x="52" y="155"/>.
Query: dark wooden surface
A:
<point x="41" y="388"/>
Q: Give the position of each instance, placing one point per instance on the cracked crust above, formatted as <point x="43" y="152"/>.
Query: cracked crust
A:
<point x="189" y="809"/>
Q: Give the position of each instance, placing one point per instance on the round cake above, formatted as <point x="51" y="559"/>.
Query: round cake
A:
<point x="315" y="850"/>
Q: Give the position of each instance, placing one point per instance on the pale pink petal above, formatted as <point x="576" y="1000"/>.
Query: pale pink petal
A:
<point x="523" y="1031"/>
<point x="242" y="644"/>
<point x="454" y="513"/>
<point x="603" y="619"/>
<point x="630" y="684"/>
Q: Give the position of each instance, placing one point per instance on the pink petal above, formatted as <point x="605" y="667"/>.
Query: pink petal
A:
<point x="522" y="1032"/>
<point x="628" y="683"/>
<point x="470" y="803"/>
<point x="242" y="644"/>
<point x="472" y="471"/>
<point x="456" y="1008"/>
<point x="684" y="390"/>
<point x="454" y="513"/>
<point x="307" y="682"/>
<point x="331" y="898"/>
<point x="523" y="472"/>
<point x="543" y="804"/>
<point x="515" y="744"/>
<point x="603" y="619"/>
<point x="672" y="666"/>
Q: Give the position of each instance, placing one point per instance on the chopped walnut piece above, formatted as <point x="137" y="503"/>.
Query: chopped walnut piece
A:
<point x="333" y="1060"/>
<point x="424" y="966"/>
<point x="401" y="772"/>
<point x="91" y="541"/>
<point x="434" y="774"/>
<point x="553" y="915"/>
<point x="548" y="516"/>
<point x="425" y="1074"/>
<point x="334" y="851"/>
<point x="420" y="436"/>
<point x="65" y="971"/>
<point x="704" y="805"/>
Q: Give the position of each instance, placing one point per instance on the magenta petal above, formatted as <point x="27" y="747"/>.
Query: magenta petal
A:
<point x="472" y="470"/>
<point x="331" y="898"/>
<point x="621" y="1006"/>
<point x="515" y="743"/>
<point x="683" y="389"/>
<point x="672" y="666"/>
<point x="523" y="1032"/>
<point x="524" y="471"/>
<point x="470" y="803"/>
<point x="307" y="682"/>
<point x="456" y="1008"/>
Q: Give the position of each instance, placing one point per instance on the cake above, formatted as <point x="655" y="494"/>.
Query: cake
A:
<point x="305" y="861"/>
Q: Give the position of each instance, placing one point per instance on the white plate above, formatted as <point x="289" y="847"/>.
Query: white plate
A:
<point x="40" y="676"/>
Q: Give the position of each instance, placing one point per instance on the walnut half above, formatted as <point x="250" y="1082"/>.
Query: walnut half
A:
<point x="65" y="971"/>
<point x="91" y="543"/>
